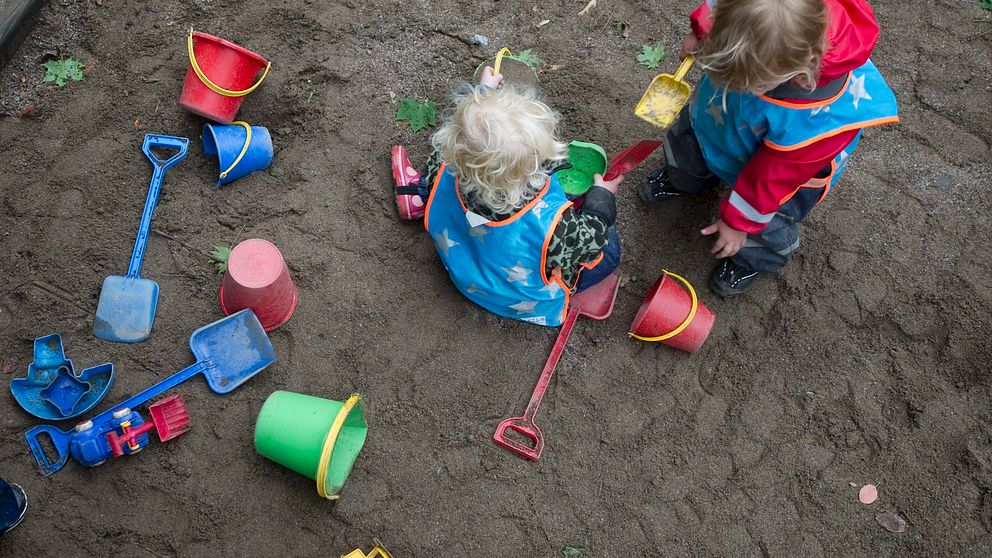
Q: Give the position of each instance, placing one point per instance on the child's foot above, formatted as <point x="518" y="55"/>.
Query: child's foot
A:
<point x="408" y="200"/>
<point x="730" y="279"/>
<point x="657" y="187"/>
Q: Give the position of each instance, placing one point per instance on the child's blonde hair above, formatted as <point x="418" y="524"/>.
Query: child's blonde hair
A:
<point x="755" y="45"/>
<point x="497" y="141"/>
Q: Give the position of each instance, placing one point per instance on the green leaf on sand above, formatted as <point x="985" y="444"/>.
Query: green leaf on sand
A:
<point x="219" y="256"/>
<point x="651" y="56"/>
<point x="985" y="4"/>
<point x="526" y="57"/>
<point x="573" y="552"/>
<point x="61" y="70"/>
<point x="420" y="114"/>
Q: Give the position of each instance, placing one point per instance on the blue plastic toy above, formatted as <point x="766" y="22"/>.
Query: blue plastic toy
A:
<point x="52" y="390"/>
<point x="127" y="304"/>
<point x="228" y="352"/>
<point x="240" y="149"/>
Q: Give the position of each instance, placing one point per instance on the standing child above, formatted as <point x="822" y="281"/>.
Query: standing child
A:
<point x="787" y="93"/>
<point x="505" y="231"/>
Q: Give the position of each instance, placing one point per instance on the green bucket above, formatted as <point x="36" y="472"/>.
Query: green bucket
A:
<point x="587" y="159"/>
<point x="318" y="438"/>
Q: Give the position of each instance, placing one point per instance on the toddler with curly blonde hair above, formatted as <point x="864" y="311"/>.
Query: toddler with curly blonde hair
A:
<point x="510" y="238"/>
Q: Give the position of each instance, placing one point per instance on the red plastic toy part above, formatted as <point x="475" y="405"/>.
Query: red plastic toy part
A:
<point x="626" y="160"/>
<point x="169" y="418"/>
<point x="596" y="302"/>
<point x="257" y="277"/>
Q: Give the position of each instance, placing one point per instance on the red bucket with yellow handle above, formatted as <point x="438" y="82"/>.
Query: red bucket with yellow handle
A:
<point x="220" y="74"/>
<point x="673" y="315"/>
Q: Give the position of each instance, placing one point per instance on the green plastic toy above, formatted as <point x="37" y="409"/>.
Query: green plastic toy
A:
<point x="318" y="438"/>
<point x="587" y="159"/>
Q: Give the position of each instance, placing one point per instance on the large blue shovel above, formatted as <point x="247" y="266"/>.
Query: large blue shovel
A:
<point x="127" y="304"/>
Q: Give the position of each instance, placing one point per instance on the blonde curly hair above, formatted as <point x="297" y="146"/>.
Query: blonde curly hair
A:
<point x="497" y="141"/>
<point x="756" y="45"/>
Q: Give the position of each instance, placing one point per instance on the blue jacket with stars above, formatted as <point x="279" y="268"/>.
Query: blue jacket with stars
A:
<point x="731" y="126"/>
<point x="500" y="265"/>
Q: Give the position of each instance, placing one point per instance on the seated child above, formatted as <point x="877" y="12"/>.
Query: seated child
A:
<point x="509" y="237"/>
<point x="787" y="91"/>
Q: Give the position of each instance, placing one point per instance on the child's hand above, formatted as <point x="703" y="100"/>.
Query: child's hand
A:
<point x="612" y="185"/>
<point x="730" y="240"/>
<point x="690" y="45"/>
<point x="489" y="80"/>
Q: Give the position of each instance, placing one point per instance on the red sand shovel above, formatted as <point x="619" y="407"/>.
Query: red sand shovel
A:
<point x="596" y="302"/>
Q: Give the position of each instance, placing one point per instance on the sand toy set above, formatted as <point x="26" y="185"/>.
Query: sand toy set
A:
<point x="318" y="438"/>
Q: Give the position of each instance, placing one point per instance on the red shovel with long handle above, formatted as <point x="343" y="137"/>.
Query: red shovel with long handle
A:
<point x="596" y="302"/>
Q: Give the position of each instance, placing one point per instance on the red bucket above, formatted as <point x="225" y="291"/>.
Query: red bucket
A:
<point x="257" y="278"/>
<point x="672" y="315"/>
<point x="220" y="74"/>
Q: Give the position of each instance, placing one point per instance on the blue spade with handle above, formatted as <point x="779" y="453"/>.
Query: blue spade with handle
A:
<point x="127" y="304"/>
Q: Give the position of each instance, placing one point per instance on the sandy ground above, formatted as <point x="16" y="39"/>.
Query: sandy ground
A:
<point x="865" y="361"/>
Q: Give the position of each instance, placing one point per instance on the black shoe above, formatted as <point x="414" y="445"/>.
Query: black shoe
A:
<point x="730" y="279"/>
<point x="657" y="187"/>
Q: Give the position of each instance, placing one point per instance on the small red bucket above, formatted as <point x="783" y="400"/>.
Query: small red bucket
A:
<point x="220" y="74"/>
<point x="673" y="315"/>
<point x="257" y="277"/>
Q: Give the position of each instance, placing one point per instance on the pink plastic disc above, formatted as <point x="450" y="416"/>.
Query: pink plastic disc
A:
<point x="868" y="494"/>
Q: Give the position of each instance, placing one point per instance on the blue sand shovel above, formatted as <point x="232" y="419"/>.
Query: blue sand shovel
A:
<point x="127" y="304"/>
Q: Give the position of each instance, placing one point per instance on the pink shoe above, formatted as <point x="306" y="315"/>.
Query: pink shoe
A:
<point x="410" y="205"/>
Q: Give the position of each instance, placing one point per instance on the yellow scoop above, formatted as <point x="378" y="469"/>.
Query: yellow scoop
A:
<point x="666" y="96"/>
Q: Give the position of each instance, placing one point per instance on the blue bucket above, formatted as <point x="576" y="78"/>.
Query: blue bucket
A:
<point x="240" y="149"/>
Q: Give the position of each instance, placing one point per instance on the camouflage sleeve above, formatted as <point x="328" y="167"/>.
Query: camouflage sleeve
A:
<point x="579" y="238"/>
<point x="429" y="176"/>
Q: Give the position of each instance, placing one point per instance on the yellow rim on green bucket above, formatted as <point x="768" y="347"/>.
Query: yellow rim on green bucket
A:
<point x="213" y="86"/>
<point x="688" y="319"/>
<point x="332" y="436"/>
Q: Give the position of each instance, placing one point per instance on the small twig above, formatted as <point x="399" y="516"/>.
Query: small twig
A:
<point x="59" y="294"/>
<point x="977" y="35"/>
<point x="180" y="242"/>
<point x="238" y="235"/>
<point x="465" y="40"/>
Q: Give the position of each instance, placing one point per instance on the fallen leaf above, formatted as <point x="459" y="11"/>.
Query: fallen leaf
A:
<point x="555" y="67"/>
<point x="27" y="112"/>
<point x="137" y="123"/>
<point x="543" y="23"/>
<point x="868" y="494"/>
<point x="589" y="6"/>
<point x="891" y="521"/>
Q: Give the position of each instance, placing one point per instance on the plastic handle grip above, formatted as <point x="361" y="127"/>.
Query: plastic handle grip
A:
<point x="60" y="440"/>
<point x="684" y="67"/>
<point x="151" y="200"/>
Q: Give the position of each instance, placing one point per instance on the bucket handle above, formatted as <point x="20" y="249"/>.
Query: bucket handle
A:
<point x="244" y="148"/>
<point x="213" y="86"/>
<point x="688" y="319"/>
<point x="329" y="441"/>
<point x="499" y="59"/>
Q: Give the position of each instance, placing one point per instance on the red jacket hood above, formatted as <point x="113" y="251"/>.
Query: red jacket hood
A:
<point x="851" y="35"/>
